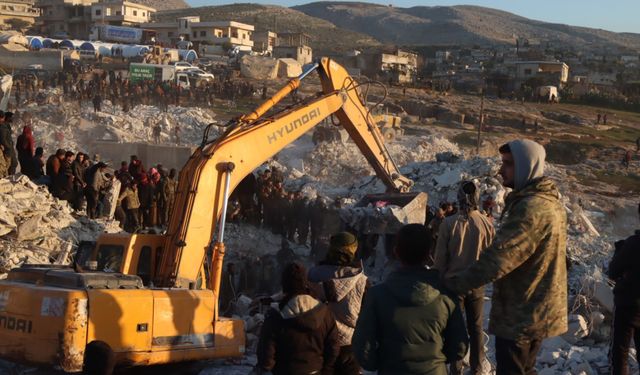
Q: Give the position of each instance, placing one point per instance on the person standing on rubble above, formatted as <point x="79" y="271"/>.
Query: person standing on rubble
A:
<point x="407" y="324"/>
<point x="300" y="335"/>
<point x="624" y="269"/>
<point x="95" y="181"/>
<point x="78" y="170"/>
<point x="461" y="239"/>
<point x="340" y="282"/>
<point x="526" y="262"/>
<point x="97" y="103"/>
<point x="6" y="140"/>
<point x="26" y="147"/>
<point x="53" y="167"/>
<point x="63" y="183"/>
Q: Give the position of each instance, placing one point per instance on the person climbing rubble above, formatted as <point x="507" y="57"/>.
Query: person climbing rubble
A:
<point x="407" y="325"/>
<point x="461" y="239"/>
<point x="340" y="282"/>
<point x="526" y="262"/>
<point x="300" y="335"/>
<point x="624" y="269"/>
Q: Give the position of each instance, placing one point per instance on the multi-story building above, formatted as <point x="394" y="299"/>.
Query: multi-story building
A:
<point x="228" y="34"/>
<point x="65" y="18"/>
<point x="18" y="10"/>
<point x="294" y="46"/>
<point x="120" y="13"/>
<point x="265" y="41"/>
<point x="554" y="73"/>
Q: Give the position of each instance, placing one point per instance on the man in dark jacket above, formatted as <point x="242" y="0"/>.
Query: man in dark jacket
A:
<point x="526" y="262"/>
<point x="95" y="182"/>
<point x="78" y="170"/>
<point x="340" y="282"/>
<point x="63" y="183"/>
<point x="624" y="269"/>
<point x="407" y="325"/>
<point x="300" y="336"/>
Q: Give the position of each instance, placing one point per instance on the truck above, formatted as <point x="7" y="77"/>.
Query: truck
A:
<point x="122" y="34"/>
<point x="159" y="73"/>
<point x="150" y="299"/>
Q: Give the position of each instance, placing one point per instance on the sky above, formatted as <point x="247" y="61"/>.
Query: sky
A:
<point x="614" y="15"/>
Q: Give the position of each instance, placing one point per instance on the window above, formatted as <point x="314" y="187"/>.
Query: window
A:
<point x="118" y="12"/>
<point x="144" y="14"/>
<point x="110" y="258"/>
<point x="527" y="72"/>
<point x="144" y="265"/>
<point x="135" y="13"/>
<point x="203" y="33"/>
<point x="195" y="34"/>
<point x="98" y="12"/>
<point x="170" y="34"/>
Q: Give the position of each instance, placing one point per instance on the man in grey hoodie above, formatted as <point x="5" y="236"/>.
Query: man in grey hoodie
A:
<point x="526" y="262"/>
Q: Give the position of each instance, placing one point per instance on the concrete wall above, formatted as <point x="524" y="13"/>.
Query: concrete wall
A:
<point x="50" y="60"/>
<point x="150" y="154"/>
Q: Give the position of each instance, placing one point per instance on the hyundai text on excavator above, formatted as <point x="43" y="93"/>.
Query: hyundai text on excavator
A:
<point x="162" y="304"/>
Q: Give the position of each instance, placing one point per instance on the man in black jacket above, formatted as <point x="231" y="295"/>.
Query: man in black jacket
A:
<point x="624" y="269"/>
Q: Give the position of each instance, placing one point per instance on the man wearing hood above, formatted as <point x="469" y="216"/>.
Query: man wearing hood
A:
<point x="526" y="262"/>
<point x="340" y="282"/>
<point x="299" y="337"/>
<point x="407" y="325"/>
<point x="461" y="239"/>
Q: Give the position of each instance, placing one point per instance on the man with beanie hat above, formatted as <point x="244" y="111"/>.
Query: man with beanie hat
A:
<point x="340" y="282"/>
<point x="407" y="324"/>
<point x="300" y="335"/>
<point x="461" y="239"/>
<point x="526" y="262"/>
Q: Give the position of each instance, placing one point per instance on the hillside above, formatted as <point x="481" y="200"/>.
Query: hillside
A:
<point x="163" y="4"/>
<point x="325" y="35"/>
<point x="456" y="25"/>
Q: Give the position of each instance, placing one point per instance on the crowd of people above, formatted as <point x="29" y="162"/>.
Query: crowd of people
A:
<point x="120" y="90"/>
<point x="330" y="320"/>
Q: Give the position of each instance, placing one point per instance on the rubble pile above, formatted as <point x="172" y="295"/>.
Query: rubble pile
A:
<point x="35" y="227"/>
<point x="65" y="126"/>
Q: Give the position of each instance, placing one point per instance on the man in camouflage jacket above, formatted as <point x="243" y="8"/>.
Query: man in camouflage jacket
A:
<point x="526" y="262"/>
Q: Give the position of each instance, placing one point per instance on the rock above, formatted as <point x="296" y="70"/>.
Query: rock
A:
<point x="28" y="230"/>
<point x="555" y="343"/>
<point x="547" y="371"/>
<point x="578" y="329"/>
<point x="603" y="294"/>
<point x="549" y="357"/>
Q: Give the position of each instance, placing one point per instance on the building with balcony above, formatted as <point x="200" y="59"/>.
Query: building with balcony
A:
<point x="227" y="34"/>
<point x="20" y="10"/>
<point x="65" y="18"/>
<point x="554" y="73"/>
<point x="265" y="41"/>
<point x="120" y="13"/>
<point x="294" y="39"/>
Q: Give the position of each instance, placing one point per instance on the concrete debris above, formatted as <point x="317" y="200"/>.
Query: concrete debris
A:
<point x="62" y="125"/>
<point x="258" y="67"/>
<point x="578" y="329"/>
<point x="35" y="227"/>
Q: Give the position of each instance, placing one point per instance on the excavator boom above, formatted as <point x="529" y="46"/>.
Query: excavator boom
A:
<point x="251" y="141"/>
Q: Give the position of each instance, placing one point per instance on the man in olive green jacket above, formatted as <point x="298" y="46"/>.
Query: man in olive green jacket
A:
<point x="526" y="262"/>
<point x="407" y="325"/>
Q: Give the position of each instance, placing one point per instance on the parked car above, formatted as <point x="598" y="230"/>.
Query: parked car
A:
<point x="182" y="65"/>
<point x="197" y="72"/>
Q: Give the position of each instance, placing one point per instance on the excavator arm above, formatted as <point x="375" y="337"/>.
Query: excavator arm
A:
<point x="217" y="167"/>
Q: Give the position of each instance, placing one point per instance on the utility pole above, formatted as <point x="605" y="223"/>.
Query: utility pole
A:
<point x="481" y="122"/>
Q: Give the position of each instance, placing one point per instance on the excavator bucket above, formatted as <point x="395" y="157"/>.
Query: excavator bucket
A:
<point x="386" y="213"/>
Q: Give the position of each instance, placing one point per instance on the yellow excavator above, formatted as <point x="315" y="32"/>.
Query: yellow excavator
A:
<point x="161" y="304"/>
